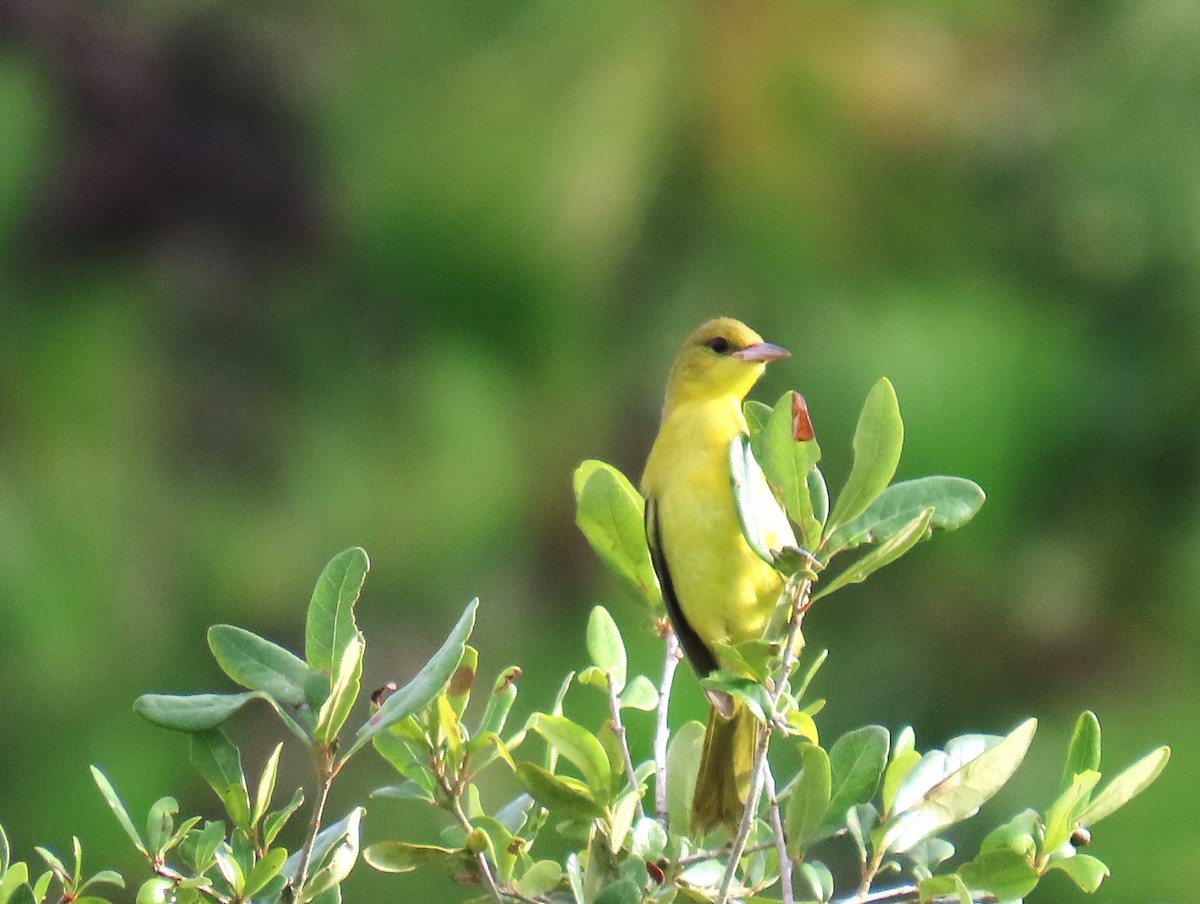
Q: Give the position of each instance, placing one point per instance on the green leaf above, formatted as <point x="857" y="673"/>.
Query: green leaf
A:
<point x="683" y="765"/>
<point x="264" y="871"/>
<point x="192" y="712"/>
<point x="818" y="878"/>
<point x="757" y="414"/>
<point x="944" y="887"/>
<point x="623" y="812"/>
<point x="897" y="770"/>
<point x="458" y="692"/>
<point x="14" y="878"/>
<point x="954" y="501"/>
<point x="160" y="823"/>
<point x="114" y="803"/>
<point x="540" y="879"/>
<point x="605" y="646"/>
<point x="787" y="464"/>
<point x="1083" y="754"/>
<point x="330" y="625"/>
<point x="274" y="822"/>
<point x="401" y="857"/>
<point x="1016" y="835"/>
<point x="948" y="787"/>
<point x="856" y="762"/>
<point x="1126" y="786"/>
<point x="878" y="439"/>
<point x="818" y="493"/>
<point x="220" y="764"/>
<point x="257" y="664"/>
<point x="611" y="514"/>
<point x="1004" y="873"/>
<point x="640" y="694"/>
<point x="623" y="891"/>
<point x="424" y="687"/>
<point x="884" y="554"/>
<point x="1063" y="814"/>
<point x="581" y="748"/>
<point x="327" y="839"/>
<point x="500" y="702"/>
<point x="809" y="799"/>
<point x="266" y="785"/>
<point x="763" y="522"/>
<point x="1085" y="871"/>
<point x="343" y="691"/>
<point x="649" y="839"/>
<point x="558" y="793"/>
<point x="334" y="854"/>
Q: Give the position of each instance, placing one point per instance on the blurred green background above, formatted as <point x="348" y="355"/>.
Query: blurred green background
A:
<point x="278" y="279"/>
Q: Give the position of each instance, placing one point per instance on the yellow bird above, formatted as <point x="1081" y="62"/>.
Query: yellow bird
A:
<point x="716" y="589"/>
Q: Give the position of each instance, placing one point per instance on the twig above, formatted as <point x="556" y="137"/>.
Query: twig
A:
<point x="167" y="872"/>
<point x="716" y="855"/>
<point x="884" y="894"/>
<point x="614" y="708"/>
<point x="325" y="773"/>
<point x="485" y="869"/>
<point x="785" y="862"/>
<point x="905" y="893"/>
<point x="662" y="731"/>
<point x="798" y="593"/>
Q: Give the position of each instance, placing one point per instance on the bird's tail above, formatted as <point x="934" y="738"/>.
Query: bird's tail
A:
<point x="725" y="764"/>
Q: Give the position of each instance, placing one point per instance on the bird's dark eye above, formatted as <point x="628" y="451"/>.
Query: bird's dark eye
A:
<point x="719" y="344"/>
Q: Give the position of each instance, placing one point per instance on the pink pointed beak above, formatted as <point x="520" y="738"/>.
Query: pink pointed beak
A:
<point x="762" y="351"/>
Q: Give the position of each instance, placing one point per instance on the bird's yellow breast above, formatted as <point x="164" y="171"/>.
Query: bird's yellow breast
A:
<point x="725" y="591"/>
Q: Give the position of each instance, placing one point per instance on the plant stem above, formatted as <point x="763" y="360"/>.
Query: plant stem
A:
<point x="713" y="855"/>
<point x="785" y="862"/>
<point x="614" y="709"/>
<point x="325" y="773"/>
<point x="797" y="592"/>
<point x="903" y="893"/>
<point x="662" y="731"/>
<point x="485" y="869"/>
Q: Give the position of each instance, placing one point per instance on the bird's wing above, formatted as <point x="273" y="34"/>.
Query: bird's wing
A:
<point x="694" y="648"/>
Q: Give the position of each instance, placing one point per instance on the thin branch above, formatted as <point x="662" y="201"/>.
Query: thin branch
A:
<point x="614" y="708"/>
<point x="325" y="773"/>
<point x="167" y="872"/>
<point x="662" y="731"/>
<point x="905" y="893"/>
<point x="716" y="855"/>
<point x="485" y="869"/>
<point x="797" y="592"/>
<point x="785" y="862"/>
<point x="884" y="894"/>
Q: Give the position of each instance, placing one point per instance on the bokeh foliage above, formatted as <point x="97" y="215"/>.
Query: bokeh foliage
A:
<point x="487" y="230"/>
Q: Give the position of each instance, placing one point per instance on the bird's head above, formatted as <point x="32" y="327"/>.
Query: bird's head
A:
<point x="723" y="357"/>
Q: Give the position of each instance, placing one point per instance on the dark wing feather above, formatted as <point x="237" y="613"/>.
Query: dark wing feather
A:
<point x="694" y="648"/>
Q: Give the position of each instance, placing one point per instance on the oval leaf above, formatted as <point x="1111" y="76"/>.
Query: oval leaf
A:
<point x="562" y="795"/>
<point x="809" y="799"/>
<point x="954" y="501"/>
<point x="787" y="464"/>
<point x="878" y="439"/>
<point x="1083" y="754"/>
<point x="192" y="712"/>
<point x="611" y="514"/>
<point x="260" y="665"/>
<point x="763" y="522"/>
<point x="330" y="625"/>
<point x="959" y="783"/>
<point x="856" y="762"/>
<point x="581" y="748"/>
<point x="220" y="764"/>
<point x="605" y="646"/>
<point x="683" y="765"/>
<point x="1126" y="786"/>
